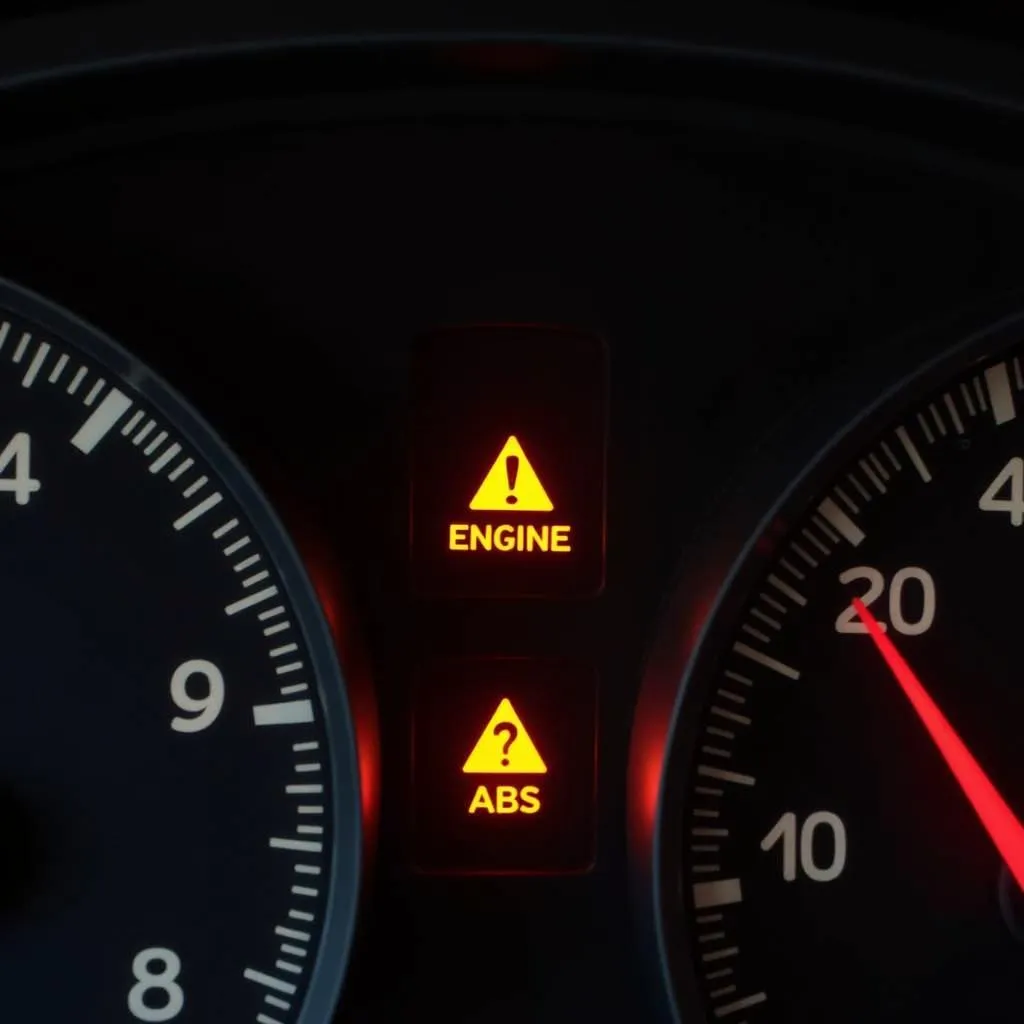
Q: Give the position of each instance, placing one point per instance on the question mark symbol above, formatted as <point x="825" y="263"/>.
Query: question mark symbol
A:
<point x="512" y="732"/>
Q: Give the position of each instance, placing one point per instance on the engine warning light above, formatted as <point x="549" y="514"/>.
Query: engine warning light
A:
<point x="511" y="485"/>
<point x="507" y="483"/>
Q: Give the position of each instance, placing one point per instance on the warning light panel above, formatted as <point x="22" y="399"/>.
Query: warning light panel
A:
<point x="504" y="772"/>
<point x="508" y="481"/>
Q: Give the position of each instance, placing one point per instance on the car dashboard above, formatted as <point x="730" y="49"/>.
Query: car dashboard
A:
<point x="509" y="516"/>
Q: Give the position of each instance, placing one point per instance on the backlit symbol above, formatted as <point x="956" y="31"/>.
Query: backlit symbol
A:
<point x="511" y="484"/>
<point x="511" y="732"/>
<point x="504" y="747"/>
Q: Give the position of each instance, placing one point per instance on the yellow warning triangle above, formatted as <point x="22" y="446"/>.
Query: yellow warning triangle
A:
<point x="504" y="747"/>
<point x="511" y="484"/>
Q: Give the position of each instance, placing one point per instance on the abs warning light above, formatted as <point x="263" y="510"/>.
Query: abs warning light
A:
<point x="503" y="759"/>
<point x="508" y="481"/>
<point x="505" y="747"/>
<point x="493" y="753"/>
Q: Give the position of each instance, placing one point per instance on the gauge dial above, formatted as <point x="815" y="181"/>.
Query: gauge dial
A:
<point x="845" y="823"/>
<point x="177" y="773"/>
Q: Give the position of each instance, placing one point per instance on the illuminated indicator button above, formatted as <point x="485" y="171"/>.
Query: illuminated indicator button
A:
<point x="511" y="484"/>
<point x="507" y="490"/>
<point x="503" y="766"/>
<point x="504" y="746"/>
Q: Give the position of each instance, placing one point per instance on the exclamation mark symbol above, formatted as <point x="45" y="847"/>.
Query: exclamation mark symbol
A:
<point x="511" y="472"/>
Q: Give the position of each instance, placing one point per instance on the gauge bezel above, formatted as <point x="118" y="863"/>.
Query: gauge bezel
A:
<point x="713" y="586"/>
<point x="336" y="940"/>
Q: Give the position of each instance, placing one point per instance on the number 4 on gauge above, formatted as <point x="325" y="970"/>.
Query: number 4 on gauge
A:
<point x="18" y="456"/>
<point x="1009" y="480"/>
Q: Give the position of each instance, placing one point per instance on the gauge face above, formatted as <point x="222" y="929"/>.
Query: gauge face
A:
<point x="846" y="818"/>
<point x="177" y="781"/>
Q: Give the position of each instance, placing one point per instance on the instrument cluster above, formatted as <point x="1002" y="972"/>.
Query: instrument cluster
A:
<point x="508" y="523"/>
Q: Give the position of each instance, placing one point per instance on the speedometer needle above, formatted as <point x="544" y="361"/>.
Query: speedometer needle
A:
<point x="1002" y="825"/>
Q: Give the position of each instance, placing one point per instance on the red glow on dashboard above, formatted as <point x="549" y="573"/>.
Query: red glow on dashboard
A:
<point x="359" y="691"/>
<point x="518" y="58"/>
<point x="650" y="760"/>
<point x="652" y="725"/>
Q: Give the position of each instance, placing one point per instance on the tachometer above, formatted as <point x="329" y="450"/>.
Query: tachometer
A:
<point x="841" y="816"/>
<point x="180" y="831"/>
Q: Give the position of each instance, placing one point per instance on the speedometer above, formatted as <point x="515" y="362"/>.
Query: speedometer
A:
<point x="178" y="798"/>
<point x="842" y="813"/>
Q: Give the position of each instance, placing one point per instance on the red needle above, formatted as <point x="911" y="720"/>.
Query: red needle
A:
<point x="1000" y="822"/>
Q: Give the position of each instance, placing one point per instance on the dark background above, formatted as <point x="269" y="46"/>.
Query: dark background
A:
<point x="989" y="19"/>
